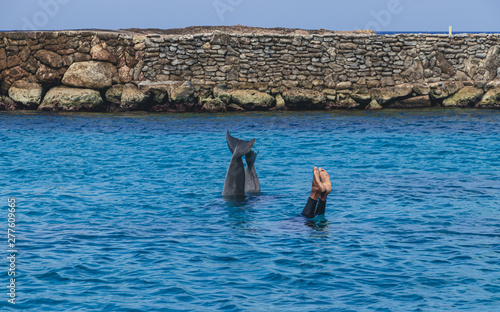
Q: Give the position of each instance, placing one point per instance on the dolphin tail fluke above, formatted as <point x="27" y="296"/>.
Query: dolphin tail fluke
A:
<point x="251" y="157"/>
<point x="238" y="147"/>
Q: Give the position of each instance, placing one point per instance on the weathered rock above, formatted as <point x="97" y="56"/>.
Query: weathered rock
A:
<point x="124" y="74"/>
<point x="26" y="93"/>
<point x="442" y="90"/>
<point x="91" y="74"/>
<point x="114" y="94"/>
<point x="24" y="54"/>
<point x="71" y="99"/>
<point x="414" y="69"/>
<point x="49" y="58"/>
<point x="213" y="105"/>
<point x="6" y="103"/>
<point x="158" y="90"/>
<point x="385" y="82"/>
<point x="48" y="76"/>
<point x="388" y="94"/>
<point x="13" y="60"/>
<point x="421" y="89"/>
<point x="235" y="108"/>
<point x="362" y="97"/>
<point x="344" y="101"/>
<point x="9" y="76"/>
<point x="374" y="105"/>
<point x="345" y="85"/>
<point x="3" y="59"/>
<point x="467" y="96"/>
<point x="413" y="102"/>
<point x="100" y="53"/>
<point x="444" y="64"/>
<point x="491" y="99"/>
<point x="181" y="92"/>
<point x="280" y="102"/>
<point x="132" y="97"/>
<point x="220" y="91"/>
<point x="31" y="65"/>
<point x="304" y="99"/>
<point x="252" y="99"/>
<point x="492" y="62"/>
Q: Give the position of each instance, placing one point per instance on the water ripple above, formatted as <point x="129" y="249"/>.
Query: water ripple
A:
<point x="123" y="212"/>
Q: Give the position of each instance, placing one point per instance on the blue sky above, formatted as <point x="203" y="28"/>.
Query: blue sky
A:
<point x="379" y="15"/>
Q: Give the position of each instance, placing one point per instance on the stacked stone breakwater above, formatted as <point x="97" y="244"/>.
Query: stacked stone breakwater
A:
<point x="218" y="71"/>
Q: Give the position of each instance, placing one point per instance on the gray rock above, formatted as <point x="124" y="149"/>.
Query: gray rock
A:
<point x="467" y="96"/>
<point x="114" y="94"/>
<point x="48" y="76"/>
<point x="213" y="105"/>
<point x="91" y="74"/>
<point x="220" y="91"/>
<point x="49" y="58"/>
<point x="442" y="90"/>
<point x="181" y="92"/>
<point x="71" y="99"/>
<point x="132" y="97"/>
<point x="304" y="99"/>
<point x="374" y="105"/>
<point x="26" y="93"/>
<point x="413" y="102"/>
<point x="252" y="99"/>
<point x="491" y="99"/>
<point x="388" y="94"/>
<point x="280" y="102"/>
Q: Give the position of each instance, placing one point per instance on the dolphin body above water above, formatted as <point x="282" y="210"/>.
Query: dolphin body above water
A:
<point x="238" y="181"/>
<point x="252" y="184"/>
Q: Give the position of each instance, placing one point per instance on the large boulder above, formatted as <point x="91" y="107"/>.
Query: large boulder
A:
<point x="26" y="93"/>
<point x="467" y="96"/>
<point x="71" y="99"/>
<point x="421" y="89"/>
<point x="49" y="58"/>
<point x="181" y="92"/>
<point x="304" y="99"/>
<point x="91" y="74"/>
<point x="221" y="92"/>
<point x="100" y="52"/>
<point x="114" y="94"/>
<point x="48" y="76"/>
<point x="491" y="99"/>
<point x="373" y="105"/>
<point x="213" y="105"/>
<point x="441" y="90"/>
<point x="388" y="94"/>
<point x="132" y="97"/>
<point x="252" y="99"/>
<point x="158" y="90"/>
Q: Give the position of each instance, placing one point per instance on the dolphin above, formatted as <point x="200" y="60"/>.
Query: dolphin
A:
<point x="252" y="184"/>
<point x="234" y="184"/>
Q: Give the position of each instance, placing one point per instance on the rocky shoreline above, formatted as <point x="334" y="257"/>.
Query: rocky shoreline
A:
<point x="218" y="72"/>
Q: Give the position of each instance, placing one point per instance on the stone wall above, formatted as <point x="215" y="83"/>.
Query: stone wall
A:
<point x="99" y="70"/>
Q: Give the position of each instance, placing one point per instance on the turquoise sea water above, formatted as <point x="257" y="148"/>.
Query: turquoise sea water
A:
<point x="124" y="212"/>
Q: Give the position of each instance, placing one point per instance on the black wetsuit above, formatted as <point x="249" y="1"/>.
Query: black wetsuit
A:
<point x="314" y="208"/>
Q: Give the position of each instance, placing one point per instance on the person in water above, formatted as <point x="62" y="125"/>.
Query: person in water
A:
<point x="240" y="181"/>
<point x="321" y="187"/>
